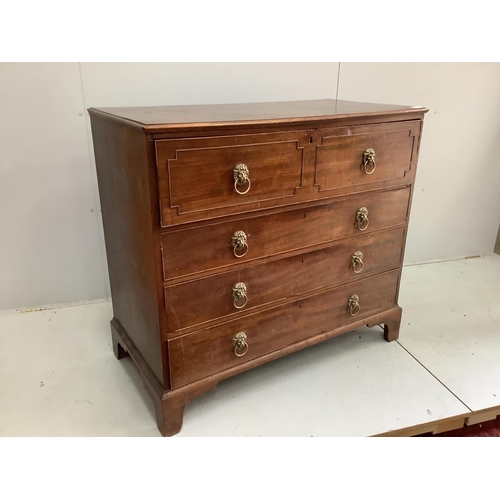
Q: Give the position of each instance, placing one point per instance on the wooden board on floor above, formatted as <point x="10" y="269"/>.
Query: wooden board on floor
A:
<point x="436" y="427"/>
<point x="447" y="424"/>
<point x="485" y="415"/>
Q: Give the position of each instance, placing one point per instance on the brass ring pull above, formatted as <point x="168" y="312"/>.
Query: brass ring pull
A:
<point x="240" y="344"/>
<point x="241" y="176"/>
<point x="368" y="164"/>
<point x="357" y="262"/>
<point x="239" y="242"/>
<point x="353" y="305"/>
<point x="362" y="218"/>
<point x="239" y="294"/>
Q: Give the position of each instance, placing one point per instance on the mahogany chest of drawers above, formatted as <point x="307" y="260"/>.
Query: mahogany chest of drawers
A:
<point x="236" y="234"/>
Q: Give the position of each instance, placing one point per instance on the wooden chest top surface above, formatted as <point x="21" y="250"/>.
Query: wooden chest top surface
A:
<point x="164" y="118"/>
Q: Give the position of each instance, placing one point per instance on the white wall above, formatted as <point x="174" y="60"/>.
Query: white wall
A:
<point x="50" y="249"/>
<point x="52" y="246"/>
<point x="456" y="204"/>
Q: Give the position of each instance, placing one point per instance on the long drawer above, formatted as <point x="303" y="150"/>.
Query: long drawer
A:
<point x="235" y="292"/>
<point x="206" y="352"/>
<point x="218" y="247"/>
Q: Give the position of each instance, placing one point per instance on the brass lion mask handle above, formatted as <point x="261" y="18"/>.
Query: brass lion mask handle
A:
<point x="241" y="177"/>
<point x="239" y="293"/>
<point x="239" y="242"/>
<point x="357" y="262"/>
<point x="368" y="165"/>
<point x="362" y="218"/>
<point x="240" y="344"/>
<point x="353" y="305"/>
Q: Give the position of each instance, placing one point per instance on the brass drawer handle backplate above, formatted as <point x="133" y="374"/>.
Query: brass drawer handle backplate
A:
<point x="241" y="176"/>
<point x="357" y="262"/>
<point x="362" y="218"/>
<point x="239" y="242"/>
<point x="353" y="305"/>
<point x="239" y="295"/>
<point x="240" y="344"/>
<point x="368" y="164"/>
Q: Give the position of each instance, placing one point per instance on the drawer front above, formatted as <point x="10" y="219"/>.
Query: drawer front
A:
<point x="365" y="156"/>
<point x="206" y="299"/>
<point x="206" y="352"/>
<point x="200" y="178"/>
<point x="210" y="248"/>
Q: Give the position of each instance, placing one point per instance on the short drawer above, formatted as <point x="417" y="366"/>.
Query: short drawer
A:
<point x="236" y="292"/>
<point x="206" y="352"/>
<point x="365" y="156"/>
<point x="217" y="247"/>
<point x="203" y="177"/>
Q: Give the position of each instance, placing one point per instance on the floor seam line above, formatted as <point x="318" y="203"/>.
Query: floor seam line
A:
<point x="426" y="263"/>
<point x="427" y="369"/>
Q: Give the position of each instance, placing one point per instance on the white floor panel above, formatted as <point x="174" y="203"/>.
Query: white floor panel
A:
<point x="59" y="377"/>
<point x="451" y="324"/>
<point x="352" y="385"/>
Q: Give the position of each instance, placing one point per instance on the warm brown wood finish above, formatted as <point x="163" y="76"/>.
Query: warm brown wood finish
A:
<point x="156" y="119"/>
<point x="339" y="156"/>
<point x="203" y="353"/>
<point x="202" y="300"/>
<point x="196" y="175"/>
<point x="278" y="234"/>
<point x="128" y="230"/>
<point x="170" y="210"/>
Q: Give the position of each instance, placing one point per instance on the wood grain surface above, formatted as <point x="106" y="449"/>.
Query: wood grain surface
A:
<point x="197" y="175"/>
<point x="206" y="352"/>
<point x="210" y="299"/>
<point x="207" y="249"/>
<point x="122" y="172"/>
<point x="170" y="210"/>
<point x="163" y="118"/>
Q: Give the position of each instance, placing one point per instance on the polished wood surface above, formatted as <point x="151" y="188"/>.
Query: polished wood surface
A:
<point x="339" y="156"/>
<point x="158" y="118"/>
<point x="170" y="210"/>
<point x="210" y="299"/>
<point x="196" y="179"/>
<point x="197" y="175"/>
<point x="207" y="249"/>
<point x="203" y="353"/>
<point x="123" y="178"/>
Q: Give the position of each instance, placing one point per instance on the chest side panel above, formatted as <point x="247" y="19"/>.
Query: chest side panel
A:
<point x="124" y="190"/>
